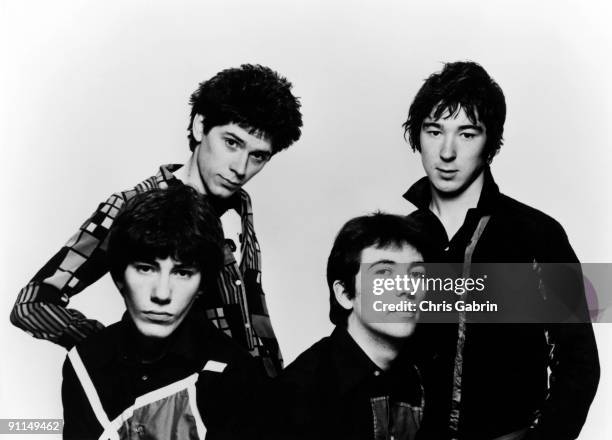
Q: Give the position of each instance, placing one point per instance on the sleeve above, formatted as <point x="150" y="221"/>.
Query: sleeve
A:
<point x="41" y="306"/>
<point x="574" y="361"/>
<point x="80" y="421"/>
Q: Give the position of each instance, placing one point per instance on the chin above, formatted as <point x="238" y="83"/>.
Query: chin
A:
<point x="222" y="193"/>
<point x="155" y="331"/>
<point x="444" y="185"/>
<point x="398" y="330"/>
<point x="448" y="188"/>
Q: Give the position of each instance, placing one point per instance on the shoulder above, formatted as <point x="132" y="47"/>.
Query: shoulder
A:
<point x="226" y="364"/>
<point x="533" y="230"/>
<point x="160" y="180"/>
<point x="222" y="348"/>
<point x="297" y="396"/>
<point x="100" y="349"/>
<point x="528" y="217"/>
<point x="308" y="368"/>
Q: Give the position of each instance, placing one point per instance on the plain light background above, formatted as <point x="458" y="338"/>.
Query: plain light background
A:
<point x="94" y="97"/>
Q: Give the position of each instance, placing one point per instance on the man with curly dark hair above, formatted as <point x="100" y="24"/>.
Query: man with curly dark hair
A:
<point x="492" y="378"/>
<point x="239" y="119"/>
<point x="163" y="371"/>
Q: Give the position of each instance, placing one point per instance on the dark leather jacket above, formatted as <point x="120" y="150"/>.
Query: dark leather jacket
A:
<point x="505" y="384"/>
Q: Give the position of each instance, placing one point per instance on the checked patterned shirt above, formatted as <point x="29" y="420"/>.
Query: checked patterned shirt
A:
<point x="238" y="307"/>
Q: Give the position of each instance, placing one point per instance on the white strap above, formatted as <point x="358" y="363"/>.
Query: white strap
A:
<point x="215" y="366"/>
<point x="88" y="387"/>
<point x="193" y="403"/>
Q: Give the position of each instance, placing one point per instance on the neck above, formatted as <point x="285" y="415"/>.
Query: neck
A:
<point x="380" y="350"/>
<point x="451" y="209"/>
<point x="189" y="173"/>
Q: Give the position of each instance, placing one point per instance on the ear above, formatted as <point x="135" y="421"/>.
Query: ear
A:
<point x="341" y="295"/>
<point x="197" y="127"/>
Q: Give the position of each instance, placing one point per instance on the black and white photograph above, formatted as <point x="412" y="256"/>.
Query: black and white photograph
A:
<point x="226" y="219"/>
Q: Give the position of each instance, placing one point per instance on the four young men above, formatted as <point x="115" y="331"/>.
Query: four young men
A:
<point x="480" y="381"/>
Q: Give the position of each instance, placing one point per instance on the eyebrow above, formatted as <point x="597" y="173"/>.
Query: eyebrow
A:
<point x="149" y="261"/>
<point x="474" y="127"/>
<point x="477" y="128"/>
<point x="387" y="261"/>
<point x="431" y="124"/>
<point x="235" y="137"/>
<point x="371" y="265"/>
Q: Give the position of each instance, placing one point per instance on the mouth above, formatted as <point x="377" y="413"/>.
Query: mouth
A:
<point x="229" y="183"/>
<point x="154" y="316"/>
<point x="447" y="173"/>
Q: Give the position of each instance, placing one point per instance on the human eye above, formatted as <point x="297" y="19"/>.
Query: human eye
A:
<point x="231" y="142"/>
<point x="417" y="272"/>
<point x="144" y="268"/>
<point x="383" y="271"/>
<point x="433" y="132"/>
<point x="468" y="135"/>
<point x="260" y="157"/>
<point x="185" y="273"/>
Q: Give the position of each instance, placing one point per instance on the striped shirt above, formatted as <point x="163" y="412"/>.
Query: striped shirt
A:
<point x="238" y="307"/>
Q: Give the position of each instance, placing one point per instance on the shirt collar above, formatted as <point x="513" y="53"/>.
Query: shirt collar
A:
<point x="236" y="201"/>
<point x="419" y="194"/>
<point x="354" y="367"/>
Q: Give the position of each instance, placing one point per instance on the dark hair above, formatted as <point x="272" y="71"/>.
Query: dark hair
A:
<point x="466" y="85"/>
<point x="378" y="230"/>
<point x="253" y="96"/>
<point x="175" y="222"/>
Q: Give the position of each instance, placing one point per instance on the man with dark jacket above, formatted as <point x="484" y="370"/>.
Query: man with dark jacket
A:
<point x="491" y="379"/>
<point x="163" y="371"/>
<point x="354" y="385"/>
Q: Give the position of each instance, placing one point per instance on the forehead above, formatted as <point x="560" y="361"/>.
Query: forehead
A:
<point x="457" y="117"/>
<point x="167" y="262"/>
<point x="405" y="253"/>
<point x="254" y="139"/>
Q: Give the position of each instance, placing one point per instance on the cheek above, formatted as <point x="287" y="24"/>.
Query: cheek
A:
<point x="133" y="301"/>
<point x="475" y="159"/>
<point x="187" y="294"/>
<point x="210" y="158"/>
<point x="254" y="169"/>
<point x="427" y="158"/>
<point x="136" y="291"/>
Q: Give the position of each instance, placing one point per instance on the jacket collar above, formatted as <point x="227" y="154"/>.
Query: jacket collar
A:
<point x="419" y="194"/>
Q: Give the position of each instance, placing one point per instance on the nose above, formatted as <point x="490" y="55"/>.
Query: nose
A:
<point x="448" y="151"/>
<point x="239" y="164"/>
<point x="161" y="292"/>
